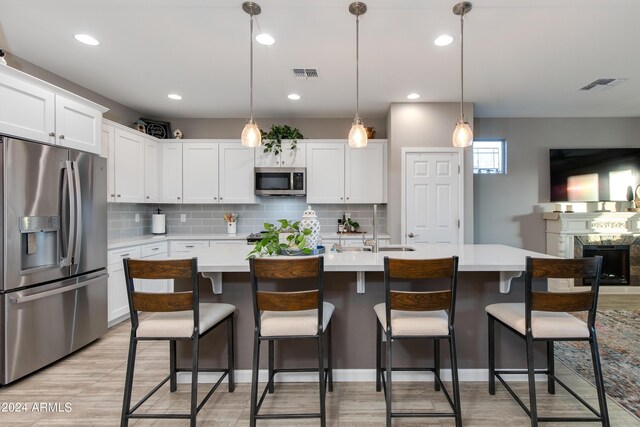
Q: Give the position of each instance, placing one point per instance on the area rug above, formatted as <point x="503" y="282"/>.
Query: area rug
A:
<point x="619" y="341"/>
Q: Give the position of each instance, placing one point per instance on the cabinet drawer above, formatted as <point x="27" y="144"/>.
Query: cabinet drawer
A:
<point x="116" y="256"/>
<point x="187" y="245"/>
<point x="154" y="249"/>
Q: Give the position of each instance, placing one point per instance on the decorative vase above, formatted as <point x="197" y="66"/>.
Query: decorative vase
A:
<point x="310" y="221"/>
<point x="231" y="227"/>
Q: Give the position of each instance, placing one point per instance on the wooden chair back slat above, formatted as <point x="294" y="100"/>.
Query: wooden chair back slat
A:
<point x="575" y="301"/>
<point x="564" y="268"/>
<point x="420" y="301"/>
<point x="165" y="269"/>
<point x="162" y="302"/>
<point x="287" y="301"/>
<point x="420" y="269"/>
<point x="299" y="268"/>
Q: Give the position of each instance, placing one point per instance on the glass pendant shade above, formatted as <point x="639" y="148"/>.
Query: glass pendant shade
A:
<point x="251" y="136"/>
<point x="357" y="134"/>
<point x="462" y="135"/>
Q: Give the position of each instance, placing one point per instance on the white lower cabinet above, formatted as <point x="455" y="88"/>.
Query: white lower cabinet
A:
<point x="118" y="301"/>
<point x="157" y="251"/>
<point x="184" y="247"/>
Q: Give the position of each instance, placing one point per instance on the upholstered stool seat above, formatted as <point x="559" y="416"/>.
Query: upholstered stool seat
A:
<point x="180" y="323"/>
<point x="298" y="322"/>
<point x="544" y="324"/>
<point x="414" y="323"/>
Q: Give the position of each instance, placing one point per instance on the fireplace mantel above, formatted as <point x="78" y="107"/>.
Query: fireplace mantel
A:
<point x="562" y="228"/>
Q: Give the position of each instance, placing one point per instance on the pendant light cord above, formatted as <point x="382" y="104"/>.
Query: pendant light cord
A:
<point x="357" y="65"/>
<point x="461" y="65"/>
<point x="251" y="69"/>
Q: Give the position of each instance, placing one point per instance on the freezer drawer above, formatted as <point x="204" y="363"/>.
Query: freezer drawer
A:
<point x="44" y="324"/>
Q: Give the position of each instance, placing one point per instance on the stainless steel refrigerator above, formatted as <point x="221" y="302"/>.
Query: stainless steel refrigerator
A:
<point x="54" y="254"/>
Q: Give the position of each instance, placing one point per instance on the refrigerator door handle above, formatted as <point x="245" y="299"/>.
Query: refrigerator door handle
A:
<point x="78" y="222"/>
<point x="45" y="294"/>
<point x="71" y="237"/>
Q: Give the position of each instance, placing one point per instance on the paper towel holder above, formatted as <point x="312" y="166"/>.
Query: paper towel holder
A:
<point x="158" y="223"/>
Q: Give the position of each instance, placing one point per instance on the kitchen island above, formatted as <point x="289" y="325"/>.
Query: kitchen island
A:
<point x="485" y="272"/>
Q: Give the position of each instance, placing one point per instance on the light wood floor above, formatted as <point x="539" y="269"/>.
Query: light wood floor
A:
<point x="92" y="379"/>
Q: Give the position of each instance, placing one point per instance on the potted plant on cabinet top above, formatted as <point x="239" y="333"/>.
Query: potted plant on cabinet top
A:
<point x="273" y="138"/>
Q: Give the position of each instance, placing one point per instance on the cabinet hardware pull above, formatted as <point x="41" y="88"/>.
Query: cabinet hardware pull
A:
<point x="52" y="134"/>
<point x="189" y="246"/>
<point x="124" y="255"/>
<point x="155" y="249"/>
<point x="147" y="197"/>
<point x="61" y="136"/>
<point x="178" y="198"/>
<point x="113" y="195"/>
<point x="119" y="195"/>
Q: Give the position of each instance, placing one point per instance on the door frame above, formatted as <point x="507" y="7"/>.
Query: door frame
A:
<point x="403" y="189"/>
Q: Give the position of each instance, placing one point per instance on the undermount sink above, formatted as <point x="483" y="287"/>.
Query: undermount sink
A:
<point x="396" y="249"/>
<point x="356" y="249"/>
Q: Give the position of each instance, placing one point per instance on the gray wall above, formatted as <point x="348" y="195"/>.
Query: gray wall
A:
<point x="117" y="112"/>
<point x="508" y="208"/>
<point x="418" y="124"/>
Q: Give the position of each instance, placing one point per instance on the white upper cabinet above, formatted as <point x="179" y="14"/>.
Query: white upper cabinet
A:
<point x="236" y="173"/>
<point x="325" y="172"/>
<point x="129" y="166"/>
<point x="200" y="172"/>
<point x="33" y="109"/>
<point x="78" y="126"/>
<point x="151" y="171"/>
<point x="287" y="158"/>
<point x="108" y="149"/>
<point x="365" y="174"/>
<point x="171" y="172"/>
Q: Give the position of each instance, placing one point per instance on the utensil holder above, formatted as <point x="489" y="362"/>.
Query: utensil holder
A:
<point x="231" y="227"/>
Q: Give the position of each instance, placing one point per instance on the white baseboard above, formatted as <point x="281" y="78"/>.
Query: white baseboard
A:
<point x="352" y="375"/>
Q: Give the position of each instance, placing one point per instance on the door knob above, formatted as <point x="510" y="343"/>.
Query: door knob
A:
<point x="411" y="235"/>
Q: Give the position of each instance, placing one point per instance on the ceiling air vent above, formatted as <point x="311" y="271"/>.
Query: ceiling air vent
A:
<point x="305" y="74"/>
<point x="603" y="84"/>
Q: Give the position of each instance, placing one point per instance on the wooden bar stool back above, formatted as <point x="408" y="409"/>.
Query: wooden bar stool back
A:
<point x="545" y="317"/>
<point x="177" y="316"/>
<point x="415" y="315"/>
<point x="293" y="315"/>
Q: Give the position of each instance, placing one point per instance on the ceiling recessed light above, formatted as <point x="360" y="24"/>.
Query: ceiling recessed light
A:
<point x="413" y="96"/>
<point x="86" y="39"/>
<point x="443" y="40"/>
<point x="174" y="96"/>
<point x="293" y="96"/>
<point x="265" y="39"/>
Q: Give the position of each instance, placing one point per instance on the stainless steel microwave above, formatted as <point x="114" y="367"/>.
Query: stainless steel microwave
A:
<point x="280" y="181"/>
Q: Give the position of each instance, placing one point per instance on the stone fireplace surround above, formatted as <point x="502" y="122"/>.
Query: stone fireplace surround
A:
<point x="568" y="232"/>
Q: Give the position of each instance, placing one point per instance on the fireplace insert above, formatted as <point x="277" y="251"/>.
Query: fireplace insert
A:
<point x="615" y="263"/>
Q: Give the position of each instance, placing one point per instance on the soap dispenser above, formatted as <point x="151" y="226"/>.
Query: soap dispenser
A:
<point x="158" y="223"/>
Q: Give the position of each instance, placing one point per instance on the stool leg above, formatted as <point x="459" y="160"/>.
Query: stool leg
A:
<point x="271" y="365"/>
<point x="128" y="383"/>
<point x="321" y="383"/>
<point x="597" y="371"/>
<point x="492" y="355"/>
<point x="454" y="377"/>
<point x="388" y="382"/>
<point x="230" y="354"/>
<point x="172" y="366"/>
<point x="532" y="382"/>
<point x="330" y="357"/>
<point x="436" y="363"/>
<point x="194" y="380"/>
<point x="378" y="356"/>
<point x="551" y="367"/>
<point x="254" y="380"/>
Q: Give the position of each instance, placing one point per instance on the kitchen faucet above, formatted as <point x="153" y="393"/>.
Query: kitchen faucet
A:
<point x="374" y="242"/>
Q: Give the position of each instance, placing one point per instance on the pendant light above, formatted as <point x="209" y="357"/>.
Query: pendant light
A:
<point x="357" y="134"/>
<point x="462" y="135"/>
<point x="251" y="136"/>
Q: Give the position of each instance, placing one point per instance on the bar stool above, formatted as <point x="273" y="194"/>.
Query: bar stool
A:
<point x="413" y="315"/>
<point x="299" y="315"/>
<point x="178" y="316"/>
<point x="544" y="317"/>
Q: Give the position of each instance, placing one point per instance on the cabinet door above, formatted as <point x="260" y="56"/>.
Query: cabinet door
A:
<point x="236" y="173"/>
<point x="151" y="171"/>
<point x="365" y="174"/>
<point x="171" y="173"/>
<point x="149" y="285"/>
<point x="293" y="158"/>
<point x="108" y="149"/>
<point x="200" y="172"/>
<point x="26" y="111"/>
<point x="117" y="300"/>
<point x="78" y="125"/>
<point x="129" y="166"/>
<point x="325" y="172"/>
<point x="266" y="160"/>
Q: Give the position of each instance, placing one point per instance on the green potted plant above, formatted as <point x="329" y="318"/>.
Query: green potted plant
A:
<point x="272" y="140"/>
<point x="294" y="243"/>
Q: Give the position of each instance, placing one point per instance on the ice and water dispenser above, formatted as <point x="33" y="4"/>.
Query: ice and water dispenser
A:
<point x="38" y="242"/>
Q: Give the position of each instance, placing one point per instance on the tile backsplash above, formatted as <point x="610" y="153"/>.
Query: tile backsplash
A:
<point x="207" y="219"/>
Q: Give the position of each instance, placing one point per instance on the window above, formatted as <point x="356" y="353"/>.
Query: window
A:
<point x="489" y="156"/>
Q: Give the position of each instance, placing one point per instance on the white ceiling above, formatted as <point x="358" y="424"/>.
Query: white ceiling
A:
<point x="523" y="58"/>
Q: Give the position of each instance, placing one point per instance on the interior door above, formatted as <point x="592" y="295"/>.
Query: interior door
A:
<point x="432" y="197"/>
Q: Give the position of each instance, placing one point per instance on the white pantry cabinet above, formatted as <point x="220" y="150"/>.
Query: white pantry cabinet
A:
<point x="236" y="173"/>
<point x="171" y="173"/>
<point x="288" y="158"/>
<point x="151" y="171"/>
<point x="129" y="166"/>
<point x="33" y="109"/>
<point x="200" y="172"/>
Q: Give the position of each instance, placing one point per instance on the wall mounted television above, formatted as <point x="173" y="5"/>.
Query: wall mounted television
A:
<point x="593" y="174"/>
